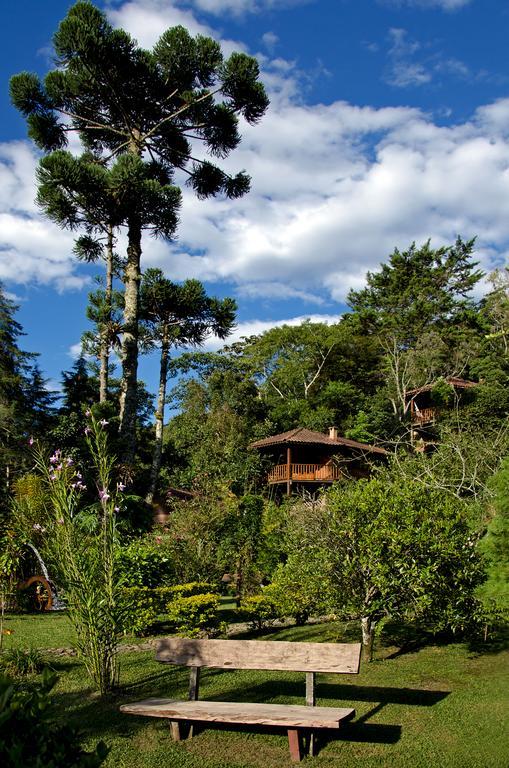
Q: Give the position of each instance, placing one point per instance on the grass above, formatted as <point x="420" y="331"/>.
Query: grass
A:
<point x="440" y="705"/>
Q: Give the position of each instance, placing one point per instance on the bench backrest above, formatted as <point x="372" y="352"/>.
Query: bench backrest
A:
<point x="259" y="654"/>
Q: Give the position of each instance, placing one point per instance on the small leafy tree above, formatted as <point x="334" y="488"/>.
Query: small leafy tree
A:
<point x="388" y="547"/>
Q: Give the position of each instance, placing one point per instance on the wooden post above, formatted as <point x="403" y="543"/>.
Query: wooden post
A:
<point x="294" y="744"/>
<point x="194" y="692"/>
<point x="310" y="702"/>
<point x="288" y="471"/>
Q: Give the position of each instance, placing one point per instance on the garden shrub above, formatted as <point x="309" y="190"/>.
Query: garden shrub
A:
<point x="192" y="588"/>
<point x="28" y="739"/>
<point x="143" y="606"/>
<point x="194" y="614"/>
<point x="259" y="610"/>
<point x="19" y="662"/>
<point x="143" y="563"/>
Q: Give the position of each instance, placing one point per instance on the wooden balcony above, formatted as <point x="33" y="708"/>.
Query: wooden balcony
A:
<point x="306" y="473"/>
<point x="424" y="416"/>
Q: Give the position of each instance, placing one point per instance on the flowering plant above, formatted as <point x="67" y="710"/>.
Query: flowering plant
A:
<point x="86" y="558"/>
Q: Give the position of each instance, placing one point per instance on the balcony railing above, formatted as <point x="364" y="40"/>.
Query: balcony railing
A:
<point x="424" y="415"/>
<point x="318" y="473"/>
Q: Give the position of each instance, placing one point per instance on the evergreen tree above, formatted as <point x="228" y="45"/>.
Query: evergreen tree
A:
<point x="177" y="316"/>
<point x="182" y="91"/>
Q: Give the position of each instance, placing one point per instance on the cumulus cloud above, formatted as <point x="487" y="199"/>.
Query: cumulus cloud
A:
<point x="32" y="249"/>
<point x="256" y="327"/>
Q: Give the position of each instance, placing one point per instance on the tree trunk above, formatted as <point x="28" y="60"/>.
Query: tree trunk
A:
<point x="128" y="392"/>
<point x="161" y="397"/>
<point x="104" y="351"/>
<point x="368" y="637"/>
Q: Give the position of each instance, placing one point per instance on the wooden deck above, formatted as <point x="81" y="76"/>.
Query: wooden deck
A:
<point x="304" y="473"/>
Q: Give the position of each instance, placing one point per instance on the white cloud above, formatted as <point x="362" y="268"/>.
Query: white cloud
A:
<point x="445" y="5"/>
<point x="75" y="350"/>
<point x="241" y="7"/>
<point x="335" y="188"/>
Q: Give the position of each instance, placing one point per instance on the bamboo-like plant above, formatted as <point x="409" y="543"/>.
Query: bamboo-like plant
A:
<point x="84" y="555"/>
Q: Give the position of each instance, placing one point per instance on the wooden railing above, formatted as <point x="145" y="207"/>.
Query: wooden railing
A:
<point x="424" y="415"/>
<point x="318" y="473"/>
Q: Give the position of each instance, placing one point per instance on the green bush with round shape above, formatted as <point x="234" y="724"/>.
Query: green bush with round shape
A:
<point x="194" y="614"/>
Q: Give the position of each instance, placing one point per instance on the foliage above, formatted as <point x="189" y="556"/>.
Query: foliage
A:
<point x="20" y="662"/>
<point x="29" y="739"/>
<point x="194" y="614"/>
<point x="143" y="606"/>
<point x="494" y="592"/>
<point x="296" y="591"/>
<point x="240" y="541"/>
<point x="388" y="547"/>
<point x="259" y="610"/>
<point x="145" y="563"/>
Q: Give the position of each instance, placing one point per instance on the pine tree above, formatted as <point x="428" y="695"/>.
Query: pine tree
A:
<point x="177" y="316"/>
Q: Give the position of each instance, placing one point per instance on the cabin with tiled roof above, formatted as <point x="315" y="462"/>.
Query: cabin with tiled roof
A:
<point x="304" y="458"/>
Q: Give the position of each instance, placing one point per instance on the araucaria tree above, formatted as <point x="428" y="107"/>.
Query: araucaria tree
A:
<point x="177" y="316"/>
<point x="143" y="109"/>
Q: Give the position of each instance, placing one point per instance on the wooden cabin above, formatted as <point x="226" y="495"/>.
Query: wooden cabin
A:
<point x="304" y="458"/>
<point x="424" y="412"/>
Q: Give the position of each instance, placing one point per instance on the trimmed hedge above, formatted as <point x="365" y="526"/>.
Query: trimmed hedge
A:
<point x="143" y="606"/>
<point x="194" y="614"/>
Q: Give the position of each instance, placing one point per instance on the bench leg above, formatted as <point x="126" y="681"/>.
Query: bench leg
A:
<point x="294" y="744"/>
<point x="175" y="730"/>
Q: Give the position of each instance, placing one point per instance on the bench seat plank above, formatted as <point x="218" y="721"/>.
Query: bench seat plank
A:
<point x="255" y="654"/>
<point x="284" y="715"/>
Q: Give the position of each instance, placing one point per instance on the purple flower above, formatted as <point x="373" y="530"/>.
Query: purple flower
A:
<point x="69" y="461"/>
<point x="37" y="527"/>
<point x="104" y="495"/>
<point x="104" y="423"/>
<point x="79" y="475"/>
<point x="53" y="477"/>
<point x="30" y="440"/>
<point x="60" y="521"/>
<point x="59" y="467"/>
<point x="88" y="413"/>
<point x="116" y="509"/>
<point x="87" y="430"/>
<point x="120" y="486"/>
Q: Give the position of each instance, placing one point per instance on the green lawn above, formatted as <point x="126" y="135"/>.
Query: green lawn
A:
<point x="439" y="706"/>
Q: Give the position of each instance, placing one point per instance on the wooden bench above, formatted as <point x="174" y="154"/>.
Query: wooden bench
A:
<point x="297" y="720"/>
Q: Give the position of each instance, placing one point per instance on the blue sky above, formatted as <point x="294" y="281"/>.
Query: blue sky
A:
<point x="389" y="123"/>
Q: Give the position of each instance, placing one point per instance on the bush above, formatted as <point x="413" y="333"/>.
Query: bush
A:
<point x="259" y="610"/>
<point x="20" y="663"/>
<point x="143" y="606"/>
<point x="192" y="588"/>
<point x="194" y="614"/>
<point x="29" y="740"/>
<point x="143" y="563"/>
